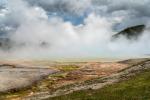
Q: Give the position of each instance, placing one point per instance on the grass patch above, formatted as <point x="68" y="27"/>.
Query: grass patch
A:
<point x="67" y="68"/>
<point x="58" y="75"/>
<point x="15" y="94"/>
<point x="136" y="88"/>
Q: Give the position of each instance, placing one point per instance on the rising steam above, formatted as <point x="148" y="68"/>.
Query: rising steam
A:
<point x="72" y="28"/>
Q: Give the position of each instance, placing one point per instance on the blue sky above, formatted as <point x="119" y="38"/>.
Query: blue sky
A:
<point x="74" y="19"/>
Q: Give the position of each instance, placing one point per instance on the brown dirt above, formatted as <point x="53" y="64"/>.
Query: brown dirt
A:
<point x="85" y="71"/>
<point x="90" y="71"/>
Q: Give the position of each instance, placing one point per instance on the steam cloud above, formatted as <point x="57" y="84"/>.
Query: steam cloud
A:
<point x="72" y="28"/>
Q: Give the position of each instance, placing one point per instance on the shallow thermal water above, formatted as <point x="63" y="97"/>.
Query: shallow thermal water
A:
<point x="12" y="78"/>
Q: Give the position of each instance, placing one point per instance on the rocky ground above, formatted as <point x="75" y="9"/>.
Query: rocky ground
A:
<point x="50" y="79"/>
